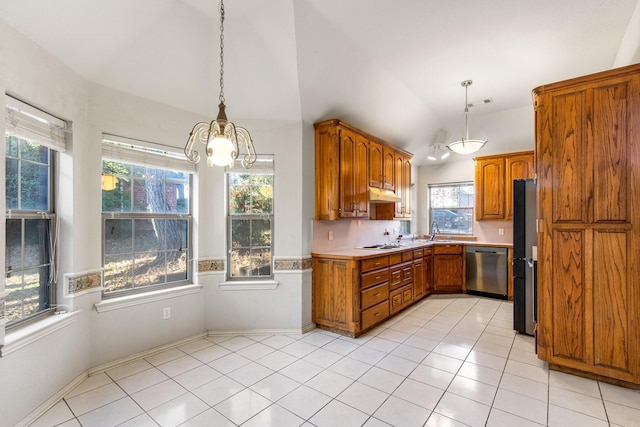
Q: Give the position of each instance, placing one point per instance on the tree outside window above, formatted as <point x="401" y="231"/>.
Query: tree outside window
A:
<point x="250" y="224"/>
<point x="146" y="227"/>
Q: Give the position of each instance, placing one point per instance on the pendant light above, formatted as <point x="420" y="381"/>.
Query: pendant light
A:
<point x="222" y="139"/>
<point x="466" y="145"/>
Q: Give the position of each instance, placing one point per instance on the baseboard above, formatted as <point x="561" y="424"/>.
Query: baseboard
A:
<point x="142" y="354"/>
<point x="49" y="403"/>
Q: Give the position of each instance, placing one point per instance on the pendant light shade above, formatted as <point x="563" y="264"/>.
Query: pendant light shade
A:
<point x="223" y="140"/>
<point x="466" y="145"/>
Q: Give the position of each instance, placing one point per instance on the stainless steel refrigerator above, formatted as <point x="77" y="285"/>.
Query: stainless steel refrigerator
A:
<point x="524" y="256"/>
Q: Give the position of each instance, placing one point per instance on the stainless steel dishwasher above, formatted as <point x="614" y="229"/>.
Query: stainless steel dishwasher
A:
<point x="487" y="271"/>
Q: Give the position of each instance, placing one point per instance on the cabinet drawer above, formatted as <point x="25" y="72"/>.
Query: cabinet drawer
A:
<point x="418" y="253"/>
<point x="407" y="274"/>
<point x="374" y="278"/>
<point x="396" y="277"/>
<point x="395" y="258"/>
<point x="374" y="263"/>
<point x="375" y="314"/>
<point x="374" y="295"/>
<point x="427" y="251"/>
<point x="407" y="256"/>
<point x="447" y="249"/>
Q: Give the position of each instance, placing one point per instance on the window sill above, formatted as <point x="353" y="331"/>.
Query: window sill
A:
<point x="29" y="334"/>
<point x="248" y="285"/>
<point x="144" y="298"/>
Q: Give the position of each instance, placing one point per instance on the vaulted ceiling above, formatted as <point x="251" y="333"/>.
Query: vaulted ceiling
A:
<point x="392" y="68"/>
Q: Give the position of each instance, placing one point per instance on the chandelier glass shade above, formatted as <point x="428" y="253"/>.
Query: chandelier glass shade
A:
<point x="222" y="139"/>
<point x="465" y="145"/>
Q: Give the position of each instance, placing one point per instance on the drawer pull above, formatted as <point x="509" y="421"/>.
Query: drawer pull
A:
<point x="377" y="294"/>
<point x="377" y="277"/>
<point x="376" y="315"/>
<point x="377" y="263"/>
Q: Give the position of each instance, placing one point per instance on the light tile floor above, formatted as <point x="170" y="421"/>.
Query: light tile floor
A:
<point x="447" y="361"/>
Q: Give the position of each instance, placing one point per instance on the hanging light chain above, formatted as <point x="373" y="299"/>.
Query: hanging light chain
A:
<point x="221" y="97"/>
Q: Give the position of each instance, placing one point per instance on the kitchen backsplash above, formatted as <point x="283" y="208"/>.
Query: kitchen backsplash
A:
<point x="354" y="233"/>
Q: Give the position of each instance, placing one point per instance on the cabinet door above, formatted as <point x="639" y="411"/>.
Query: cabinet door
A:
<point x="388" y="169"/>
<point x="589" y="236"/>
<point x="428" y="274"/>
<point x="361" y="177"/>
<point x="490" y="189"/>
<point x="400" y="184"/>
<point x="418" y="279"/>
<point x="406" y="187"/>
<point x="327" y="172"/>
<point x="447" y="273"/>
<point x="375" y="165"/>
<point x="348" y="205"/>
<point x="331" y="293"/>
<point x="517" y="167"/>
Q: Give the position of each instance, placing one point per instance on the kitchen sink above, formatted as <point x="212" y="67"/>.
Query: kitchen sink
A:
<point x="383" y="246"/>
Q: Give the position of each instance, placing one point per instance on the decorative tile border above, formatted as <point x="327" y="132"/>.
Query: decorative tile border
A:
<point x="209" y="265"/>
<point x="84" y="281"/>
<point x="289" y="264"/>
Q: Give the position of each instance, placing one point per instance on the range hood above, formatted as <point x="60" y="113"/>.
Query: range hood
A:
<point x="378" y="195"/>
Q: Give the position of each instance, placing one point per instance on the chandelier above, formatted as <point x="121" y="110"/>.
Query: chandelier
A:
<point x="222" y="139"/>
<point x="466" y="145"/>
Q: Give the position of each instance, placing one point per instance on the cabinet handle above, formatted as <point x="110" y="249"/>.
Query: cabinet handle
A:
<point x="377" y="277"/>
<point x="377" y="263"/>
<point x="376" y="315"/>
<point x="377" y="294"/>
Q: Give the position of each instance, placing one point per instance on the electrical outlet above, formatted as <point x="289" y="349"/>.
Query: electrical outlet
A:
<point x="330" y="235"/>
<point x="386" y="231"/>
<point x="166" y="313"/>
<point x="501" y="231"/>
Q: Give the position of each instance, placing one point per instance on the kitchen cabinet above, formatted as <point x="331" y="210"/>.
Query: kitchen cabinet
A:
<point x="347" y="162"/>
<point x="381" y="166"/>
<point x="403" y="185"/>
<point x="354" y="191"/>
<point x="587" y="158"/>
<point x="494" y="177"/>
<point x="448" y="268"/>
<point x="418" y="275"/>
<point x="334" y="293"/>
<point x="428" y="270"/>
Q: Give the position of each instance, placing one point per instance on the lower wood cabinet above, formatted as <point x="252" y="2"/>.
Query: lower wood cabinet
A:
<point x="448" y="268"/>
<point x="351" y="295"/>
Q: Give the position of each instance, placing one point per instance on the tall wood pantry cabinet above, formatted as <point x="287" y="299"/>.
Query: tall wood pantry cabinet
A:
<point x="588" y="183"/>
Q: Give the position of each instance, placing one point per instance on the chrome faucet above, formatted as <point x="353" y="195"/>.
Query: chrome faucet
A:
<point x="434" y="230"/>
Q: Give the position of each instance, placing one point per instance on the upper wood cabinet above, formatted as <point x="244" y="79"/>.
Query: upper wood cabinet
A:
<point x="588" y="188"/>
<point x="347" y="162"/>
<point x="494" y="177"/>
<point x="403" y="185"/>
<point x="354" y="191"/>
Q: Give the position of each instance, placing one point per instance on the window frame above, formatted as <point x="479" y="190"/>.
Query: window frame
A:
<point x="264" y="165"/>
<point x="30" y="214"/>
<point x="142" y="153"/>
<point x="445" y="208"/>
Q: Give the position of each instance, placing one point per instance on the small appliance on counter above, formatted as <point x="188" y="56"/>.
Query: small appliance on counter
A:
<point x="525" y="233"/>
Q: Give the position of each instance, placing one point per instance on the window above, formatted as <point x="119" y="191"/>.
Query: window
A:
<point x="31" y="140"/>
<point x="250" y="221"/>
<point x="146" y="212"/>
<point x="451" y="207"/>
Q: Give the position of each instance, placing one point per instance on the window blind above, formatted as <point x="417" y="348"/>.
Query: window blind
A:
<point x="144" y="153"/>
<point x="25" y="121"/>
